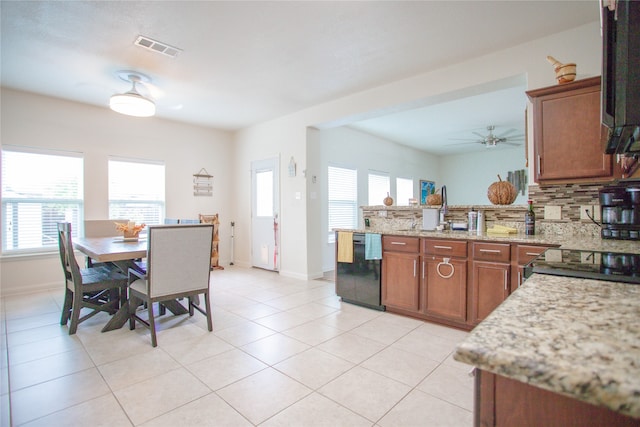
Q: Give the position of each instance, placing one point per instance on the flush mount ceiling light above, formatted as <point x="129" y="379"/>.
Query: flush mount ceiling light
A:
<point x="132" y="103"/>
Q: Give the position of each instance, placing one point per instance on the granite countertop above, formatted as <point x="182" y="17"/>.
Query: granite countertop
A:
<point x="565" y="241"/>
<point x="576" y="337"/>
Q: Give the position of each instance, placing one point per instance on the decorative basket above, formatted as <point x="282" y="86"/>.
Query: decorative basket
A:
<point x="502" y="192"/>
<point x="434" y="199"/>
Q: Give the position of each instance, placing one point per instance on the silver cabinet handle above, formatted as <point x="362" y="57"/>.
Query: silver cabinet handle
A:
<point x="399" y="243"/>
<point x="415" y="264"/>
<point x="424" y="267"/>
<point x="506" y="284"/>
<point x="491" y="251"/>
<point x="445" y="261"/>
<point x="532" y="254"/>
<point x="519" y="279"/>
<point x="539" y="165"/>
<point x="442" y="247"/>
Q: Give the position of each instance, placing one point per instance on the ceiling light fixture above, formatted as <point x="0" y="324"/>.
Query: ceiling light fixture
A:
<point x="132" y="103"/>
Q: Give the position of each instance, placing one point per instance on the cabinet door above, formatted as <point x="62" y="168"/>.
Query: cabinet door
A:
<point x="489" y="287"/>
<point x="445" y="284"/>
<point x="400" y="280"/>
<point x="567" y="132"/>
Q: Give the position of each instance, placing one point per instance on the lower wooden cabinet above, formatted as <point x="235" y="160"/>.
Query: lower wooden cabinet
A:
<point x="445" y="287"/>
<point x="400" y="281"/>
<point x="400" y="278"/>
<point x="502" y="401"/>
<point x="453" y="282"/>
<point x="489" y="287"/>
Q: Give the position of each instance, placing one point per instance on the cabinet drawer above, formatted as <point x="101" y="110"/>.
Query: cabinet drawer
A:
<point x="448" y="248"/>
<point x="526" y="253"/>
<point x="400" y="244"/>
<point x="498" y="252"/>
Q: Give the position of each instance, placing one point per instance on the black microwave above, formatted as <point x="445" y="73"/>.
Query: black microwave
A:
<point x="621" y="75"/>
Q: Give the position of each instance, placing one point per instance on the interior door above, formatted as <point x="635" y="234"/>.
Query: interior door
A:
<point x="265" y="200"/>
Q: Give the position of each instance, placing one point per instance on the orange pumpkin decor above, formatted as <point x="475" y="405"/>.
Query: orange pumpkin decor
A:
<point x="502" y="192"/>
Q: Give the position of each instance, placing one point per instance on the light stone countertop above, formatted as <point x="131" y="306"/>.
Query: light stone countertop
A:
<point x="565" y="241"/>
<point x="576" y="337"/>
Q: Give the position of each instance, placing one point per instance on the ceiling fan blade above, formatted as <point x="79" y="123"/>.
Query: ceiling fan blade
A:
<point x="511" y="143"/>
<point x="466" y="139"/>
<point x="483" y="137"/>
<point x="507" y="133"/>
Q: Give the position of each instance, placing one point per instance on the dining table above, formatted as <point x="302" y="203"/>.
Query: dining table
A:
<point x="122" y="253"/>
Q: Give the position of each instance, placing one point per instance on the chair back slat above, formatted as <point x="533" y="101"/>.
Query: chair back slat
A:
<point x="67" y="255"/>
<point x="178" y="258"/>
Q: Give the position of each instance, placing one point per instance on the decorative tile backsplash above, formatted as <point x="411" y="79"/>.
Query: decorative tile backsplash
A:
<point x="569" y="196"/>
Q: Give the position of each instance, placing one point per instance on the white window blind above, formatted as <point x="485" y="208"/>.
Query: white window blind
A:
<point x="136" y="190"/>
<point x="404" y="190"/>
<point x="379" y="187"/>
<point x="343" y="199"/>
<point x="39" y="189"/>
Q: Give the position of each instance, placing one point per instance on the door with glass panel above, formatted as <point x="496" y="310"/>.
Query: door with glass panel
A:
<point x="265" y="199"/>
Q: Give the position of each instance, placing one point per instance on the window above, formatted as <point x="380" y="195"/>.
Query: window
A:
<point x="136" y="190"/>
<point x="39" y="189"/>
<point x="343" y="199"/>
<point x="379" y="187"/>
<point x="404" y="190"/>
<point x="264" y="193"/>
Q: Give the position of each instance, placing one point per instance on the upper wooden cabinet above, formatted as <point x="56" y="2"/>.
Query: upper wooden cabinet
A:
<point x="568" y="137"/>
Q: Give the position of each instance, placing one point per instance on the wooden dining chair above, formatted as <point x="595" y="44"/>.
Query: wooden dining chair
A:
<point x="178" y="266"/>
<point x="97" y="288"/>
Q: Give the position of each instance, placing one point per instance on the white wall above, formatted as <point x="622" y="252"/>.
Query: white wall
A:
<point x="287" y="135"/>
<point x="38" y="121"/>
<point x="468" y="176"/>
<point x="350" y="148"/>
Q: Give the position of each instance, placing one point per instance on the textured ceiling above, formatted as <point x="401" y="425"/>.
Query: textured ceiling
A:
<point x="247" y="62"/>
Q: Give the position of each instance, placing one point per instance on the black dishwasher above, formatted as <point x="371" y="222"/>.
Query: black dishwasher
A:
<point x="359" y="282"/>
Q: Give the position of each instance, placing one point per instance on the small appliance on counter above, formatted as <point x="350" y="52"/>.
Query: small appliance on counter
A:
<point x="620" y="210"/>
<point x="608" y="266"/>
<point x="430" y="218"/>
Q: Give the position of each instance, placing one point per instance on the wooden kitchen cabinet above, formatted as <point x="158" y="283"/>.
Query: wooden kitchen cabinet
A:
<point x="523" y="255"/>
<point x="490" y="278"/>
<point x="444" y="279"/>
<point x="400" y="275"/>
<point x="568" y="137"/>
<point x="502" y="401"/>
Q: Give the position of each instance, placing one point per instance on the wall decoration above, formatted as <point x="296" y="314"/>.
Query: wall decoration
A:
<point x="202" y="183"/>
<point x="426" y="189"/>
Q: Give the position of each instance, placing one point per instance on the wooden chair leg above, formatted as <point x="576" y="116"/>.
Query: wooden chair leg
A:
<point x="207" y="305"/>
<point x="152" y="325"/>
<point x="133" y="305"/>
<point x="75" y="312"/>
<point x="66" y="307"/>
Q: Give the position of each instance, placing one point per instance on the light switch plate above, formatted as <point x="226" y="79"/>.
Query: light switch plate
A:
<point x="553" y="212"/>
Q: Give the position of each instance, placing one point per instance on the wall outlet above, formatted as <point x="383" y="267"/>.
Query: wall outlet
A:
<point x="553" y="212"/>
<point x="382" y="213"/>
<point x="596" y="212"/>
<point x="585" y="211"/>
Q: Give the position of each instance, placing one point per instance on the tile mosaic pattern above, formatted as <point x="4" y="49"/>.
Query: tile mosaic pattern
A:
<point x="569" y="196"/>
<point x="283" y="352"/>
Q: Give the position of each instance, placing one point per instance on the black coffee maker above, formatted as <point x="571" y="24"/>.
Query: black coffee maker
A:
<point x="620" y="211"/>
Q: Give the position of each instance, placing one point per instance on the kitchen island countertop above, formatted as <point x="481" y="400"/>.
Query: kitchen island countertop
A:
<point x="576" y="337"/>
<point x="565" y="241"/>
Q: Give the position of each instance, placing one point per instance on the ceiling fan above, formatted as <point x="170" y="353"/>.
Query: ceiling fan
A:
<point x="492" y="140"/>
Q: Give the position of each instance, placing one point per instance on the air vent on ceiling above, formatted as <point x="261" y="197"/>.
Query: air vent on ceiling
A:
<point x="157" y="46"/>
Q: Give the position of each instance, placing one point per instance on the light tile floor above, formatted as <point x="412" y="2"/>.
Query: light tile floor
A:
<point x="284" y="352"/>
